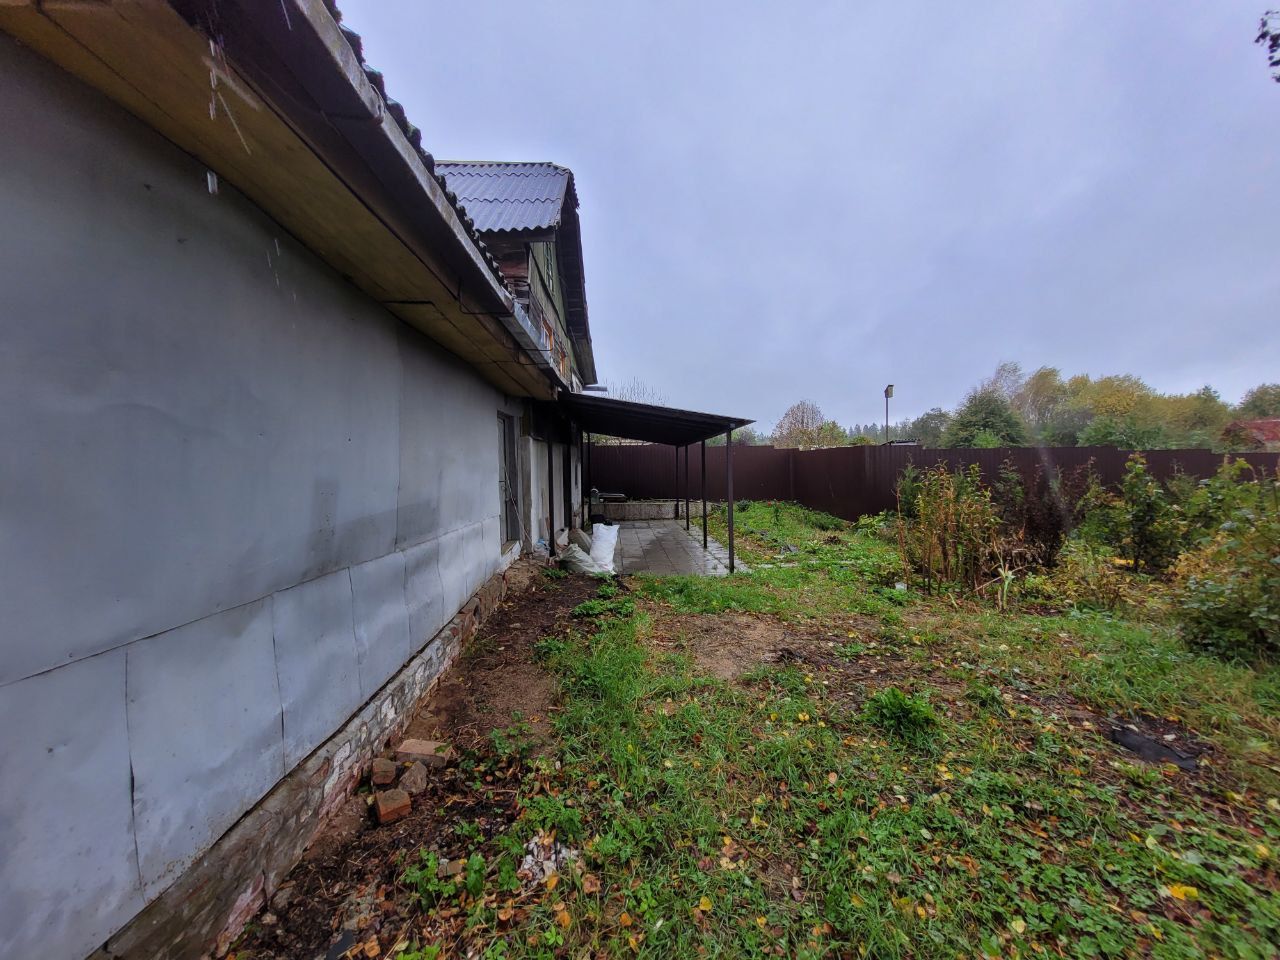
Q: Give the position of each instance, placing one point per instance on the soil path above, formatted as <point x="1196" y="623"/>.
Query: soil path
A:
<point x="345" y="891"/>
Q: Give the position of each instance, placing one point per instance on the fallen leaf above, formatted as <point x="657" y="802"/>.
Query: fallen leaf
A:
<point x="1180" y="891"/>
<point x="590" y="883"/>
<point x="705" y="904"/>
<point x="552" y="880"/>
<point x="372" y="948"/>
<point x="625" y="919"/>
<point x="1018" y="926"/>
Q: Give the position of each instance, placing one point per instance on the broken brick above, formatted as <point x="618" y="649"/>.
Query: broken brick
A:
<point x="384" y="772"/>
<point x="415" y="779"/>
<point x="391" y="805"/>
<point x="429" y="752"/>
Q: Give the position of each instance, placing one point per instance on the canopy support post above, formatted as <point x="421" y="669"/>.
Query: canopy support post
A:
<point x="704" y="494"/>
<point x="584" y="438"/>
<point x="728" y="482"/>
<point x="686" y="488"/>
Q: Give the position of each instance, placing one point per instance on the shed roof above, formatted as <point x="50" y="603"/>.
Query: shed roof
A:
<point x="642" y="421"/>
<point x="503" y="197"/>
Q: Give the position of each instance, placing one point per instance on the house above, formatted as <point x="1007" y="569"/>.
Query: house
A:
<point x="274" y="427"/>
<point x="278" y="411"/>
<point x="527" y="216"/>
<point x="1261" y="435"/>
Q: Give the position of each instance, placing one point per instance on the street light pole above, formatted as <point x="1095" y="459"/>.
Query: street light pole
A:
<point x="888" y="392"/>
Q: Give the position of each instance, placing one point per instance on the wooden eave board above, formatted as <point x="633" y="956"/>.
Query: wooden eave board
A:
<point x="142" y="55"/>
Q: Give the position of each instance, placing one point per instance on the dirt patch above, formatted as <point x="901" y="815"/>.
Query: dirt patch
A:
<point x="729" y="645"/>
<point x="723" y="645"/>
<point x="497" y="682"/>
<point x="346" y="890"/>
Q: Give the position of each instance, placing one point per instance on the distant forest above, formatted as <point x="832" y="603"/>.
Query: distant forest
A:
<point x="1043" y="408"/>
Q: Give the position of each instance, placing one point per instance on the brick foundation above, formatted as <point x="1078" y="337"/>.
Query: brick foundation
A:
<point x="206" y="908"/>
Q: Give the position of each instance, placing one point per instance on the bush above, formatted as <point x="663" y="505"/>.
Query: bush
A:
<point x="1228" y="590"/>
<point x="1085" y="577"/>
<point x="1205" y="505"/>
<point x="1147" y="527"/>
<point x="1042" y="509"/>
<point x="953" y="537"/>
<point x="906" y="716"/>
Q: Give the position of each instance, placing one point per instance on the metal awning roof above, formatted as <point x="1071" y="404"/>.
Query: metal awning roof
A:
<point x="643" y="421"/>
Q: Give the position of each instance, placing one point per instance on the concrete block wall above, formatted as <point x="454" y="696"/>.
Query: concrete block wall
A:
<point x="237" y="496"/>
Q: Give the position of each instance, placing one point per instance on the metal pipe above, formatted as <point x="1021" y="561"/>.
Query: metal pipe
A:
<point x="728" y="482"/>
<point x="686" y="488"/>
<point x="704" y="494"/>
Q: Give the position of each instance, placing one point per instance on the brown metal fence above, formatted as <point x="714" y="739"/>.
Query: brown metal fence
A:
<point x="853" y="481"/>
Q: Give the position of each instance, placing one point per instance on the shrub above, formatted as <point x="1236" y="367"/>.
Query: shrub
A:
<point x="906" y="716"/>
<point x="1205" y="505"/>
<point x="953" y="536"/>
<point x="1147" y="527"/>
<point x="1085" y="577"/>
<point x="1041" y="510"/>
<point x="1228" y="590"/>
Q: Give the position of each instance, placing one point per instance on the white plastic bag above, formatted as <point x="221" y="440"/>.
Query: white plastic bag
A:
<point x="604" y="541"/>
<point x="575" y="560"/>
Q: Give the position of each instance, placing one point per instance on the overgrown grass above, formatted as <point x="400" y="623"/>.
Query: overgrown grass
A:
<point x="950" y="812"/>
<point x="743" y="820"/>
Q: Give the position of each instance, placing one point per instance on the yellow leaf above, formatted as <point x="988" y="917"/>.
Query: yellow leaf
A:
<point x="705" y="904"/>
<point x="1262" y="850"/>
<point x="625" y="919"/>
<point x="552" y="880"/>
<point x="856" y="900"/>
<point x="1180" y="891"/>
<point x="562" y="918"/>
<point x="1018" y="926"/>
<point x="760" y="922"/>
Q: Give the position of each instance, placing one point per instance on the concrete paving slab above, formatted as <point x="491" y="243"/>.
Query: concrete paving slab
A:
<point x="664" y="547"/>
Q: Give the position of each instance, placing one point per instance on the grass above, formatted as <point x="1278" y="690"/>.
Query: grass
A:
<point x="956" y="810"/>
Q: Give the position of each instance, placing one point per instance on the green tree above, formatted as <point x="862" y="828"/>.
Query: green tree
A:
<point x="985" y="414"/>
<point x="804" y="426"/>
<point x="1260" y="403"/>
<point x="1123" y="432"/>
<point x="928" y="427"/>
<point x="1040" y="398"/>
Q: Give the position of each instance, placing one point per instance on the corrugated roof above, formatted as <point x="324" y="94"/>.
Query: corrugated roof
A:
<point x="644" y="421"/>
<point x="503" y="197"/>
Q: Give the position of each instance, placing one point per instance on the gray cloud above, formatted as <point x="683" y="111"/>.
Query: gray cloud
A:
<point x="787" y="201"/>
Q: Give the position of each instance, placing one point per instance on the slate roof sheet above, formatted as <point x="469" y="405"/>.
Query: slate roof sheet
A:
<point x="508" y="197"/>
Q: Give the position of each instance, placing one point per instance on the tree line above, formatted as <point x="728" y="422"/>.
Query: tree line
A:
<point x="1044" y="408"/>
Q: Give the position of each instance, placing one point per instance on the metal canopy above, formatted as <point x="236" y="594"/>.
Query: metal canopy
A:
<point x="643" y="421"/>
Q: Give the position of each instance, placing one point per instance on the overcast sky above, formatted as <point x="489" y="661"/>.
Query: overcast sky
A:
<point x="810" y="200"/>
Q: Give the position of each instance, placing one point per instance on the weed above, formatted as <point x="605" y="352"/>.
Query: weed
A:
<point x="985" y="696"/>
<point x="554" y="573"/>
<point x="906" y="716"/>
<point x="619" y="607"/>
<point x="425" y="880"/>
